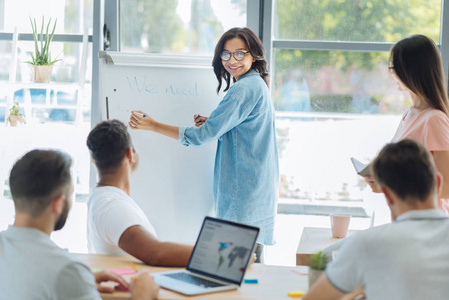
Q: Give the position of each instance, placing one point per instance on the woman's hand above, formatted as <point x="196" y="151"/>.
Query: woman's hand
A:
<point x="144" y="287"/>
<point x="372" y="183"/>
<point x="141" y="120"/>
<point x="199" y="120"/>
<point x="104" y="276"/>
<point x="357" y="294"/>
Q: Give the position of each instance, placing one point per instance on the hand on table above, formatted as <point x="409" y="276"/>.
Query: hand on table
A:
<point x="253" y="258"/>
<point x="142" y="121"/>
<point x="144" y="287"/>
<point x="104" y="276"/>
<point x="199" y="120"/>
<point x="372" y="183"/>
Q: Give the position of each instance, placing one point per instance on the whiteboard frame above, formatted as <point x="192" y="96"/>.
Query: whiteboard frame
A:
<point x="156" y="60"/>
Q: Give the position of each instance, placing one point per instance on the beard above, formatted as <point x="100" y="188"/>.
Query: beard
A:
<point x="63" y="217"/>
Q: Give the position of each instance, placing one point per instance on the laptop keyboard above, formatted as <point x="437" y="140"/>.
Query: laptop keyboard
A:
<point x="194" y="280"/>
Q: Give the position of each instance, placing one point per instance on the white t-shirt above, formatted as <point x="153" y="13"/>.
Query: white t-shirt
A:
<point x="110" y="211"/>
<point x="32" y="266"/>
<point x="407" y="259"/>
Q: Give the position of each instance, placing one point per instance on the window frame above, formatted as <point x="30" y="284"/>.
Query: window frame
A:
<point x="270" y="43"/>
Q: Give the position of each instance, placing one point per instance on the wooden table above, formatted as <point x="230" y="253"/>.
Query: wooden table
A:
<point x="314" y="239"/>
<point x="274" y="281"/>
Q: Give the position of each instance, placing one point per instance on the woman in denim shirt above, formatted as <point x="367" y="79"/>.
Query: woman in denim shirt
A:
<point x="246" y="175"/>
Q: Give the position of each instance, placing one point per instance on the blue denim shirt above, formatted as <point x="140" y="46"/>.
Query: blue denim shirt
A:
<point x="246" y="175"/>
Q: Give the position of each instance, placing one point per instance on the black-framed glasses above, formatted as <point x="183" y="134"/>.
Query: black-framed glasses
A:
<point x="239" y="55"/>
<point x="391" y="67"/>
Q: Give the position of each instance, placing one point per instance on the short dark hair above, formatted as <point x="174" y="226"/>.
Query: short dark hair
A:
<point x="407" y="168"/>
<point x="108" y="143"/>
<point x="255" y="47"/>
<point x="37" y="178"/>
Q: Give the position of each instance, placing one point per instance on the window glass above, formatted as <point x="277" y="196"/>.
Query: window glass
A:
<point x="62" y="108"/>
<point x="371" y="21"/>
<point x="332" y="106"/>
<point x="177" y="27"/>
<point x="5" y="59"/>
<point x="72" y="16"/>
<point x="67" y="69"/>
<point x="335" y="81"/>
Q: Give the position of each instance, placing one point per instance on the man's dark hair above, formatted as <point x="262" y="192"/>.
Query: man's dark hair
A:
<point x="37" y="178"/>
<point x="108" y="143"/>
<point x="407" y="168"/>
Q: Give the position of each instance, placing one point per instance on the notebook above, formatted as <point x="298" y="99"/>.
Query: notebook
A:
<point x="361" y="168"/>
<point x="218" y="262"/>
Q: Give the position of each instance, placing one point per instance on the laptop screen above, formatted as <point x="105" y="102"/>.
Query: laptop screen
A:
<point x="223" y="250"/>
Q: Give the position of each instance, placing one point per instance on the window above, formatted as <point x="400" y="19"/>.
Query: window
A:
<point x="177" y="27"/>
<point x="61" y="107"/>
<point x="332" y="91"/>
<point x="364" y="21"/>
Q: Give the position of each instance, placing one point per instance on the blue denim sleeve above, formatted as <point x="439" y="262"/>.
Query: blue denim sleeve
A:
<point x="232" y="110"/>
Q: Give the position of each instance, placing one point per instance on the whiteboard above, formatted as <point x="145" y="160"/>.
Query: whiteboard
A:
<point x="173" y="184"/>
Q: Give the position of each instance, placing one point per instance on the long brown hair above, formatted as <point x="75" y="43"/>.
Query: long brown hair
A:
<point x="255" y="47"/>
<point x="417" y="63"/>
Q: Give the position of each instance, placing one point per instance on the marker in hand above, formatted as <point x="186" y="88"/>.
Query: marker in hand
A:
<point x="198" y="116"/>
<point x="139" y="114"/>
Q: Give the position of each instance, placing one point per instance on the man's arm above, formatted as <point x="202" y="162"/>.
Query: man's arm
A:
<point x="323" y="290"/>
<point x="140" y="243"/>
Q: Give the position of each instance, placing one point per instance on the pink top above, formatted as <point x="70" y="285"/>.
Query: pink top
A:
<point x="431" y="128"/>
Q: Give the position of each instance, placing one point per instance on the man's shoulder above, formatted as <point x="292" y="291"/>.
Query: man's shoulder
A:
<point x="374" y="235"/>
<point x="100" y="196"/>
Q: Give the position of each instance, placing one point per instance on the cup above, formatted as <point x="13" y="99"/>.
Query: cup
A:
<point x="339" y="225"/>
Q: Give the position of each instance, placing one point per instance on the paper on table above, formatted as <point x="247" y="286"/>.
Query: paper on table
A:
<point x="361" y="168"/>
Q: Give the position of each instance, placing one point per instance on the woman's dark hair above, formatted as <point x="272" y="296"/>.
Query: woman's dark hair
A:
<point x="417" y="63"/>
<point x="255" y="47"/>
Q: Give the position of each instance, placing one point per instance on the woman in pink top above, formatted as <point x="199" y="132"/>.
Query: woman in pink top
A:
<point x="416" y="66"/>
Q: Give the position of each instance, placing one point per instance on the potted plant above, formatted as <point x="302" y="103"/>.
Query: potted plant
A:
<point x="15" y="117"/>
<point x="41" y="60"/>
<point x="318" y="263"/>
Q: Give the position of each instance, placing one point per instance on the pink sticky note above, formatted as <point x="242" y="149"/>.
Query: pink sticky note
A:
<point x="122" y="271"/>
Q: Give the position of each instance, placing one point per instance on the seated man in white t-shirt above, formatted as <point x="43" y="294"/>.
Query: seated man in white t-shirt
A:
<point x="407" y="259"/>
<point x="31" y="265"/>
<point x="115" y="223"/>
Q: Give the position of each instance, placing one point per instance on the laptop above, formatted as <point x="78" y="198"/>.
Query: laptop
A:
<point x="218" y="262"/>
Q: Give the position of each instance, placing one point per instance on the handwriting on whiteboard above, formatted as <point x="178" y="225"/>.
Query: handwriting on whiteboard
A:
<point x="144" y="86"/>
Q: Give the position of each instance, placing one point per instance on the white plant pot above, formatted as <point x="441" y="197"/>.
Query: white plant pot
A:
<point x="314" y="275"/>
<point x="15" y="121"/>
<point x="42" y="74"/>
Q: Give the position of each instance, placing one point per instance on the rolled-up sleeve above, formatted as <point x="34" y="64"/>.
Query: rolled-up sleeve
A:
<point x="232" y="110"/>
<point x="181" y="135"/>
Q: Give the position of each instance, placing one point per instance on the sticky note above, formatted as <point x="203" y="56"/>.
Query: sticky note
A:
<point x="250" y="281"/>
<point x="122" y="271"/>
<point x="295" y="294"/>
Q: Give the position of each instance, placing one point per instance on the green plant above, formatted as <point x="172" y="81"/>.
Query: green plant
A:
<point x="318" y="261"/>
<point x="42" y="55"/>
<point x="15" y="109"/>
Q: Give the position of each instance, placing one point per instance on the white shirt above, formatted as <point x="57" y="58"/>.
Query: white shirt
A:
<point x="110" y="211"/>
<point x="32" y="266"/>
<point x="407" y="259"/>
